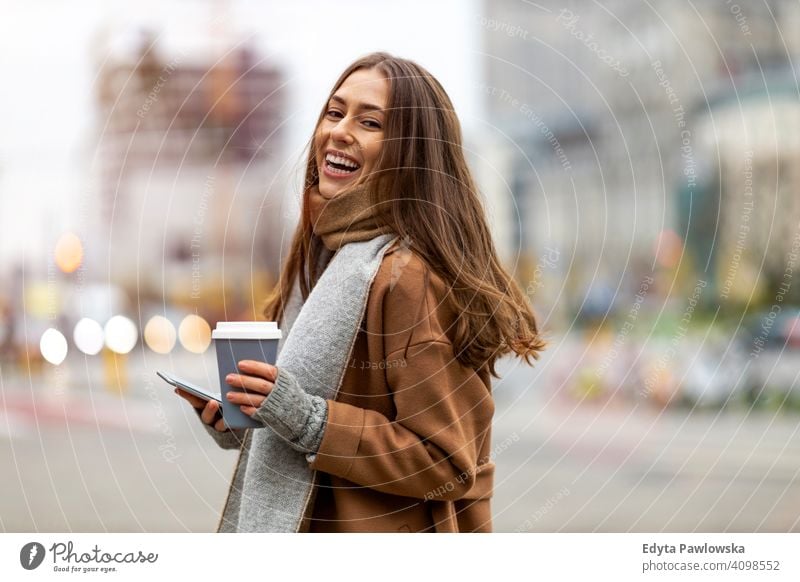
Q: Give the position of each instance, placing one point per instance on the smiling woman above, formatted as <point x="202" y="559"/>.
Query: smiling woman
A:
<point x="393" y="239"/>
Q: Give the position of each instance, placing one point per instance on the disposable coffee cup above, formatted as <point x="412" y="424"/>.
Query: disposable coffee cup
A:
<point x="235" y="341"/>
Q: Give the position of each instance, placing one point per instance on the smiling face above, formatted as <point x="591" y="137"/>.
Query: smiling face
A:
<point x="349" y="138"/>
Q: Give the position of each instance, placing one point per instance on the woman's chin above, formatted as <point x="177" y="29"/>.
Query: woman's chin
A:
<point x="328" y="190"/>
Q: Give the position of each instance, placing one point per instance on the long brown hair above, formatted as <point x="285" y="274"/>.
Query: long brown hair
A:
<point x="422" y="175"/>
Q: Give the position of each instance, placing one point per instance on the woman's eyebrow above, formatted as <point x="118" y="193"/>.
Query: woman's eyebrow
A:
<point x="366" y="106"/>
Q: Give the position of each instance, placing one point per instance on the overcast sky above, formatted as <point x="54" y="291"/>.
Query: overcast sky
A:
<point x="48" y="75"/>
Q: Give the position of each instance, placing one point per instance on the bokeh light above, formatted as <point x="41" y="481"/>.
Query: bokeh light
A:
<point x="159" y="334"/>
<point x="195" y="334"/>
<point x="88" y="336"/>
<point x="69" y="252"/>
<point x="53" y="346"/>
<point x="668" y="248"/>
<point x="121" y="334"/>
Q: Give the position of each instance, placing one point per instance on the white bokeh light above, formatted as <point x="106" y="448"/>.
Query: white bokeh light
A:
<point x="121" y="334"/>
<point x="53" y="346"/>
<point x="88" y="336"/>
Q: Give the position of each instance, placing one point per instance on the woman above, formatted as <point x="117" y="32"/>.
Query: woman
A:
<point x="396" y="437"/>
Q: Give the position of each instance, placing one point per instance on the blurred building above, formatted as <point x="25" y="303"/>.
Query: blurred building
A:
<point x="187" y="162"/>
<point x="754" y="134"/>
<point x="605" y="121"/>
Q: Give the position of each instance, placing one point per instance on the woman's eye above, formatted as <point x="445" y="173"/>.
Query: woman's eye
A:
<point x="371" y="123"/>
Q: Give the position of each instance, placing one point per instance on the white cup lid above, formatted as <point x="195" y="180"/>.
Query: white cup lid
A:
<point x="246" y="330"/>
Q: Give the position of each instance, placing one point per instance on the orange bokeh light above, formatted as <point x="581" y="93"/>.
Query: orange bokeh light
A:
<point x="69" y="252"/>
<point x="668" y="248"/>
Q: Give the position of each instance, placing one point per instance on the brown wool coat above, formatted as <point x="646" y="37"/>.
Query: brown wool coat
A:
<point x="407" y="443"/>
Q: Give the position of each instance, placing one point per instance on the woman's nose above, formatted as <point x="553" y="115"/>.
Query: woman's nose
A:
<point x="341" y="131"/>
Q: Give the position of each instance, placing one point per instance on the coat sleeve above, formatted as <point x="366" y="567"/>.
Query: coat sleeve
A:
<point x="431" y="449"/>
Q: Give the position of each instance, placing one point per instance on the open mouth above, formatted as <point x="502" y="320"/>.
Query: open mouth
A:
<point x="339" y="165"/>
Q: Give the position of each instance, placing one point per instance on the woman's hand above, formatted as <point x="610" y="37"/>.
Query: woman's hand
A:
<point x="209" y="409"/>
<point x="258" y="381"/>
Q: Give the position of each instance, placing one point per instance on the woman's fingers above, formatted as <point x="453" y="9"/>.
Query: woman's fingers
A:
<point x="248" y="403"/>
<point x="259" y="378"/>
<point x="244" y="399"/>
<point x="262" y="369"/>
<point x="209" y="412"/>
<point x="251" y="383"/>
<point x="191" y="398"/>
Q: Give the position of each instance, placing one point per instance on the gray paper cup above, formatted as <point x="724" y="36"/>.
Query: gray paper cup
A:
<point x="242" y="340"/>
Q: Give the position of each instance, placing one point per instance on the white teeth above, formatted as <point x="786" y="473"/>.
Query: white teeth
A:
<point x="341" y="161"/>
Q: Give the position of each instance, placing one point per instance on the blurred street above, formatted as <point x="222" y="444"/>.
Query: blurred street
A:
<point x="90" y="460"/>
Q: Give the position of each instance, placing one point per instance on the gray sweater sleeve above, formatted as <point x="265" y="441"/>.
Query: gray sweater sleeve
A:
<point x="229" y="439"/>
<point x="294" y="414"/>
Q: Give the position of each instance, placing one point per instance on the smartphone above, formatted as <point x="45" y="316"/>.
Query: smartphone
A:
<point x="203" y="393"/>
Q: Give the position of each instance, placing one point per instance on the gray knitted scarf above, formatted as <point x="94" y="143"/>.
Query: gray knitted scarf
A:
<point x="273" y="484"/>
